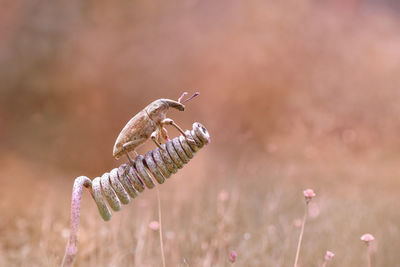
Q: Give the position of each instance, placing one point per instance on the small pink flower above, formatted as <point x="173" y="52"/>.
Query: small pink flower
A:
<point x="232" y="256"/>
<point x="309" y="194"/>
<point x="329" y="255"/>
<point x="367" y="238"/>
<point x="154" y="225"/>
<point x="223" y="196"/>
<point x="297" y="223"/>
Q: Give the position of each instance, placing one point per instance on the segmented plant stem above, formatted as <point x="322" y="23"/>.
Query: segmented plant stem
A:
<point x="72" y="245"/>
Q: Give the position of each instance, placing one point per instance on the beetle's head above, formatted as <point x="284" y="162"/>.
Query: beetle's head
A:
<point x="173" y="104"/>
<point x="159" y="108"/>
<point x="178" y="104"/>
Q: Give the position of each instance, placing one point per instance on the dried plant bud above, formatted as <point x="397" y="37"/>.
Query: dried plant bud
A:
<point x="367" y="238"/>
<point x="154" y="225"/>
<point x="232" y="256"/>
<point x="308" y="195"/>
<point x="329" y="255"/>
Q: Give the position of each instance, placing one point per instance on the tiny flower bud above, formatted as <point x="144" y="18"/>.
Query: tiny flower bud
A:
<point x="232" y="256"/>
<point x="154" y="225"/>
<point x="367" y="238"/>
<point x="308" y="194"/>
<point x="223" y="196"/>
<point x="329" y="255"/>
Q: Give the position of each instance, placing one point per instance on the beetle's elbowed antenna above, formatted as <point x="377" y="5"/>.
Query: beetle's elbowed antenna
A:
<point x="185" y="93"/>
<point x="128" y="180"/>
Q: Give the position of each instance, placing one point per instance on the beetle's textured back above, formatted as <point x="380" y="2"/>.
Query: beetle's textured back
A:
<point x="138" y="130"/>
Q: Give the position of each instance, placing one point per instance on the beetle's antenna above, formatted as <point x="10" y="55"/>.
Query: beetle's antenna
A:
<point x="180" y="98"/>
<point x="193" y="96"/>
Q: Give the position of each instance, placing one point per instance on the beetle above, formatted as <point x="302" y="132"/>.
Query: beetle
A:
<point x="148" y="123"/>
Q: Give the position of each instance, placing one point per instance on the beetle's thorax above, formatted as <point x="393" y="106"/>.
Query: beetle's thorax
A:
<point x="157" y="111"/>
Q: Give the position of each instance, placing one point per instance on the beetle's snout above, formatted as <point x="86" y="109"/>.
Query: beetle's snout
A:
<point x="175" y="104"/>
<point x="180" y="107"/>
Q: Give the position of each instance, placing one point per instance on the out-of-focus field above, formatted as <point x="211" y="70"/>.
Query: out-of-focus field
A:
<point x="253" y="208"/>
<point x="295" y="95"/>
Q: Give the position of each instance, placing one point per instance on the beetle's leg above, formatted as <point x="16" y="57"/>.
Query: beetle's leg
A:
<point x="125" y="147"/>
<point x="159" y="135"/>
<point x="134" y="151"/>
<point x="129" y="158"/>
<point x="171" y="122"/>
<point x="164" y="133"/>
<point x="154" y="137"/>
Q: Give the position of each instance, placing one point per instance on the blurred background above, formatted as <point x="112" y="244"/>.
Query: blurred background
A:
<point x="295" y="94"/>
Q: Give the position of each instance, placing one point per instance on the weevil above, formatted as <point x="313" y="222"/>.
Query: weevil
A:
<point x="148" y="123"/>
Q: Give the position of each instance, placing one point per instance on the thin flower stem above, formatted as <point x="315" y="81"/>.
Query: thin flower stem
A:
<point x="160" y="228"/>
<point x="301" y="235"/>
<point x="369" y="257"/>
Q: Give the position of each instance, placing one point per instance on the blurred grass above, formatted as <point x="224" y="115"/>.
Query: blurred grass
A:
<point x="256" y="217"/>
